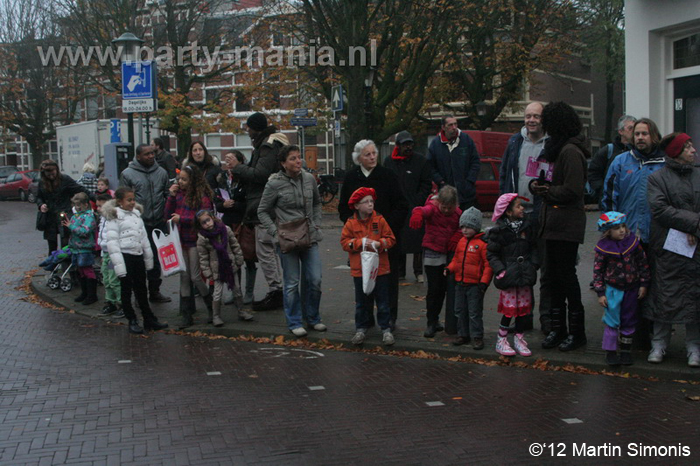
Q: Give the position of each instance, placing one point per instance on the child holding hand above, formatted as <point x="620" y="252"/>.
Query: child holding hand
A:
<point x="371" y="227"/>
<point x="473" y="274"/>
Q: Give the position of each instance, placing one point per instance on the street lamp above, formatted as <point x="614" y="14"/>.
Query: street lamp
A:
<point x="129" y="45"/>
<point x="369" y="79"/>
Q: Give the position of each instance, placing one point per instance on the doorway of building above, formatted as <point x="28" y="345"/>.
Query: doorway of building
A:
<point x="686" y="117"/>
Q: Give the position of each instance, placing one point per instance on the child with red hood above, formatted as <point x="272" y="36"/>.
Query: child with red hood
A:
<point x="367" y="225"/>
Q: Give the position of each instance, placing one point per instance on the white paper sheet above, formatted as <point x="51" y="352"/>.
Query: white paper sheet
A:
<point x="677" y="241"/>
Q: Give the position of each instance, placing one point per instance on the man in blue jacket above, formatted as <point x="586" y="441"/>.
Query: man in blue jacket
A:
<point x="455" y="161"/>
<point x="625" y="187"/>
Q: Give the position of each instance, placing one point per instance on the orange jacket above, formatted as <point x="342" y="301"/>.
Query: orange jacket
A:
<point x="373" y="227"/>
<point x="469" y="264"/>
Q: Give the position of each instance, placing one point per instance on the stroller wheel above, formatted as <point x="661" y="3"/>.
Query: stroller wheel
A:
<point x="53" y="283"/>
<point x="66" y="284"/>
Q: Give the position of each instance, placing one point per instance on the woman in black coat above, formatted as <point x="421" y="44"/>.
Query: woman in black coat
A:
<point x="199" y="156"/>
<point x="54" y="199"/>
<point x="390" y="203"/>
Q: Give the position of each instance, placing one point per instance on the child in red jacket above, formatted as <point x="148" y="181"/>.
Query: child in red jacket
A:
<point x="473" y="274"/>
<point x="371" y="226"/>
<point x="441" y="217"/>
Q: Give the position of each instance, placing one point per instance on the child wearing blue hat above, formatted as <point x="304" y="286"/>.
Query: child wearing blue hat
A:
<point x="620" y="278"/>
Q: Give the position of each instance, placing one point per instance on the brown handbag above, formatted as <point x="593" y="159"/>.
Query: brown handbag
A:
<point x="294" y="235"/>
<point x="246" y="238"/>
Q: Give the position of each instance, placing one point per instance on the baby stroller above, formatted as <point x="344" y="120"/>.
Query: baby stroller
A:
<point x="60" y="266"/>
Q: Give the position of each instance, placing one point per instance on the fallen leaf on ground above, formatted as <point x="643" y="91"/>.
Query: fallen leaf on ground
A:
<point x="417" y="298"/>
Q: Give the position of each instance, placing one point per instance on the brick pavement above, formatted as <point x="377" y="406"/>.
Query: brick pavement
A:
<point x="77" y="390"/>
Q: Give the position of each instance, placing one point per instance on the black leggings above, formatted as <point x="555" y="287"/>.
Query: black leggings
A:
<point x="520" y="322"/>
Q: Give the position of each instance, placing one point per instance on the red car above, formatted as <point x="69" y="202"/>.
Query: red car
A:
<point x="16" y="186"/>
<point x="487" y="184"/>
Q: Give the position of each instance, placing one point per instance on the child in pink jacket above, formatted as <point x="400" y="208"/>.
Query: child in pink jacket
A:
<point x="441" y="217"/>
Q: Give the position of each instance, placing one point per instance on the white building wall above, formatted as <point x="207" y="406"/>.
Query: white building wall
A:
<point x="651" y="26"/>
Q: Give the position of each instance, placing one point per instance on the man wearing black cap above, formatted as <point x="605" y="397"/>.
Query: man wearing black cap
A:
<point x="267" y="143"/>
<point x="415" y="178"/>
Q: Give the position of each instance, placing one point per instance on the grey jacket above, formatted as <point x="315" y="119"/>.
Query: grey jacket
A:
<point x="282" y="200"/>
<point x="150" y="185"/>
<point x="674" y="201"/>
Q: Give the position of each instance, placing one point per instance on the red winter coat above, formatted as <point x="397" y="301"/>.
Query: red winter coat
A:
<point x="469" y="264"/>
<point x="439" y="228"/>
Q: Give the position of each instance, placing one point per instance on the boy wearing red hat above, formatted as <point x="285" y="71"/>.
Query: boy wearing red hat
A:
<point x="369" y="225"/>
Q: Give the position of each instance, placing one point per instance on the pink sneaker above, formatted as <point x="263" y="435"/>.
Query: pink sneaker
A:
<point x="521" y="345"/>
<point x="503" y="347"/>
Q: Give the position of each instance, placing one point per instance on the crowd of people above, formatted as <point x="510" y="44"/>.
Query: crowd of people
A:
<point x="232" y="214"/>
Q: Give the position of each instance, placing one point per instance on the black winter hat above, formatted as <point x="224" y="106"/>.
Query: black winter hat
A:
<point x="257" y="121"/>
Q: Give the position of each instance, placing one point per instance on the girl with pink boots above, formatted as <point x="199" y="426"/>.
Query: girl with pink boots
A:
<point x="512" y="254"/>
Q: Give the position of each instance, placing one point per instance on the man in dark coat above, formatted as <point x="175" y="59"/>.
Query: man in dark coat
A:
<point x="415" y="179"/>
<point x="455" y="161"/>
<point x="602" y="159"/>
<point x="165" y="159"/>
<point x="390" y="203"/>
<point x="267" y="143"/>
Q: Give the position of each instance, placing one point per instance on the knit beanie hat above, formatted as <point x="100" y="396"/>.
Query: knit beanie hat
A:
<point x="675" y="148"/>
<point x="257" y="121"/>
<point x="471" y="218"/>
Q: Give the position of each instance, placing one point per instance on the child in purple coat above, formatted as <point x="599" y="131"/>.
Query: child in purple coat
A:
<point x="620" y="278"/>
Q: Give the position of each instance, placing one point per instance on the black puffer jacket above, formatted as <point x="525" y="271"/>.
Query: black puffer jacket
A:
<point x="514" y="253"/>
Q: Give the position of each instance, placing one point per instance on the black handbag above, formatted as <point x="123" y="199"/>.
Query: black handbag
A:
<point x="42" y="220"/>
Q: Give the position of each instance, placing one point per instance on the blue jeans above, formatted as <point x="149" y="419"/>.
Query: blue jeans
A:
<point x="380" y="296"/>
<point x="294" y="264"/>
<point x="469" y="310"/>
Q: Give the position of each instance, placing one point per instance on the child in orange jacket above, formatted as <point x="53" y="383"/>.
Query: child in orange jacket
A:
<point x="473" y="274"/>
<point x="369" y="225"/>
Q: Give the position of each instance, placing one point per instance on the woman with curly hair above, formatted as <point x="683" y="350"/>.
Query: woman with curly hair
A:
<point x="189" y="195"/>
<point x="563" y="221"/>
<point x="198" y="156"/>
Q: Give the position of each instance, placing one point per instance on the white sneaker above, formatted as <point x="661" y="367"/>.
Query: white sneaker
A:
<point x="521" y="345"/>
<point x="388" y="338"/>
<point x="503" y="347"/>
<point x="299" y="332"/>
<point x="420" y="278"/>
<point x="656" y="355"/>
<point x="319" y="327"/>
<point x="359" y="338"/>
<point x="694" y="359"/>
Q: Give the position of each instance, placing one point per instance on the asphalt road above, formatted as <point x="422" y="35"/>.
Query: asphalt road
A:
<point x="77" y="390"/>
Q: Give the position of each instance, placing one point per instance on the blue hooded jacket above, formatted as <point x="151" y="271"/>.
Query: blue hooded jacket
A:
<point x="625" y="188"/>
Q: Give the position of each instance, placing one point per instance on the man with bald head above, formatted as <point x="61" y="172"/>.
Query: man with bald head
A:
<point x="524" y="148"/>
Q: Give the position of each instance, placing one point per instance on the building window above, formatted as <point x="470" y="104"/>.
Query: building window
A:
<point x="686" y="52"/>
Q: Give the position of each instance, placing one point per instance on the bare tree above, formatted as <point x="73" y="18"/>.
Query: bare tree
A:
<point x="33" y="98"/>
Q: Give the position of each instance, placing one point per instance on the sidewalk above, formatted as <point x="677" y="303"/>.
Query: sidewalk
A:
<point x="337" y="311"/>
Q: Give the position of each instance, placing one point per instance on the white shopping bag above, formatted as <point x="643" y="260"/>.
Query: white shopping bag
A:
<point x="169" y="250"/>
<point x="370" y="267"/>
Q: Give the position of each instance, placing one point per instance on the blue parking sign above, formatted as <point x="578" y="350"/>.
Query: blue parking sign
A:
<point x="138" y="80"/>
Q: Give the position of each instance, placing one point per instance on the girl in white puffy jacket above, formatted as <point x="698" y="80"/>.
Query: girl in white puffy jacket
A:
<point x="131" y="254"/>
